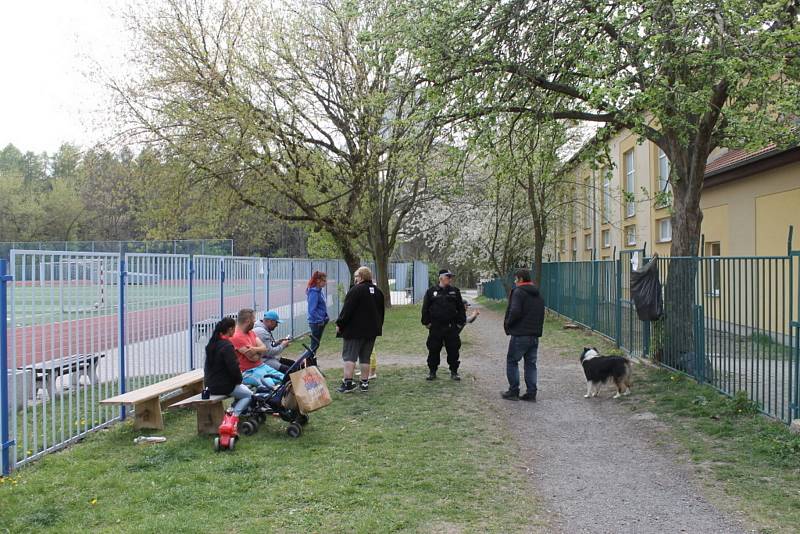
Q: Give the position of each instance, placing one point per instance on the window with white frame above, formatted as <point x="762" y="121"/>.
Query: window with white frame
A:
<point x="606" y="238"/>
<point x="587" y="241"/>
<point x="664" y="230"/>
<point x="630" y="235"/>
<point x="630" y="183"/>
<point x="561" y="248"/>
<point x="574" y="249"/>
<point x="663" y="176"/>
<point x="607" y="200"/>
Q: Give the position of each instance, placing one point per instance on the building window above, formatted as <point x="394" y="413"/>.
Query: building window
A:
<point x="714" y="269"/>
<point x="607" y="200"/>
<point x="663" y="177"/>
<point x="561" y="248"/>
<point x="606" y="238"/>
<point x="630" y="183"/>
<point x="587" y="241"/>
<point x="630" y="235"/>
<point x="664" y="230"/>
<point x="588" y="212"/>
<point x="574" y="249"/>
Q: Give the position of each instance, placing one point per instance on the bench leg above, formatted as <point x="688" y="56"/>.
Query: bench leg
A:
<point x="148" y="415"/>
<point x="209" y="417"/>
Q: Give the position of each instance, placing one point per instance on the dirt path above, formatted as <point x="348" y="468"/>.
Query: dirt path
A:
<point x="597" y="466"/>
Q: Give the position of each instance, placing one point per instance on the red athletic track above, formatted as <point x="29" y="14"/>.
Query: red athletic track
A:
<point x="96" y="334"/>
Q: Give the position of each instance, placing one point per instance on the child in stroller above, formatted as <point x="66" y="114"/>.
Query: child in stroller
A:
<point x="278" y="401"/>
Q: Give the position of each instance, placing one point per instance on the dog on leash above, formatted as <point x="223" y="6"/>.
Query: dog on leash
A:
<point x="600" y="369"/>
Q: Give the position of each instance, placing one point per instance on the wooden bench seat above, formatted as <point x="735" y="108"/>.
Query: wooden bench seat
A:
<point x="210" y="411"/>
<point x="76" y="366"/>
<point x="147" y="403"/>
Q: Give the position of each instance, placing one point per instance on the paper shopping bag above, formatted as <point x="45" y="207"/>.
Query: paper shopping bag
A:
<point x="310" y="389"/>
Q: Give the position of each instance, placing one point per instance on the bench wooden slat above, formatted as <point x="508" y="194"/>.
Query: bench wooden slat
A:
<point x="156" y="390"/>
<point x="198" y="399"/>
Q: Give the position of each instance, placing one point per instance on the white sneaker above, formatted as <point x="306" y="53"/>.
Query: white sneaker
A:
<point x="373" y="376"/>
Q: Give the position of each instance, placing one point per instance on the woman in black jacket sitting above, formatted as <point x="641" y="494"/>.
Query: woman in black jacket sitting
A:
<point x="221" y="372"/>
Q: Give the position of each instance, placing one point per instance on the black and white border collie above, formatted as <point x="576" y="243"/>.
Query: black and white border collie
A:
<point x="599" y="369"/>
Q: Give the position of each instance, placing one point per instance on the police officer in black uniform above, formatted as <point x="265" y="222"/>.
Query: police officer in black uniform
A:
<point x="443" y="313"/>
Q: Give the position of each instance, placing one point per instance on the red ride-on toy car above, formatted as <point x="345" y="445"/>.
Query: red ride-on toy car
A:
<point x="228" y="432"/>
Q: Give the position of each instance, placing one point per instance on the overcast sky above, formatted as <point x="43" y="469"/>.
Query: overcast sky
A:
<point x="48" y="49"/>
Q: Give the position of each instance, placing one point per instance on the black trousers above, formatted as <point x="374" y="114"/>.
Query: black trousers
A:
<point x="447" y="336"/>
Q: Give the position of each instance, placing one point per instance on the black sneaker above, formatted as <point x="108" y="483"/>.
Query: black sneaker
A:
<point x="511" y="395"/>
<point x="529" y="396"/>
<point x="347" y="386"/>
<point x="454" y="375"/>
<point x="363" y="387"/>
<point x="431" y="376"/>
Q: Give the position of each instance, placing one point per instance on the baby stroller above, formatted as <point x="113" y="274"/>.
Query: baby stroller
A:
<point x="278" y="402"/>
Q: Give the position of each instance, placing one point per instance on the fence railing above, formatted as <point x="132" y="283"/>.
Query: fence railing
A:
<point x="171" y="246"/>
<point x="80" y="327"/>
<point x="730" y="322"/>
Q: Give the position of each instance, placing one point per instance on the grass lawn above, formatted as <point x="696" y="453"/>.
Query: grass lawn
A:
<point x="493" y="304"/>
<point x="736" y="450"/>
<point x="404" y="457"/>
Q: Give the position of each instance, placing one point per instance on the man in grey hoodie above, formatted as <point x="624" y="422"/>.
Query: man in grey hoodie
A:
<point x="523" y="322"/>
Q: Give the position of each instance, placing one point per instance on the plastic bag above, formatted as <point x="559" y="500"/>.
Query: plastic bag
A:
<point x="646" y="292"/>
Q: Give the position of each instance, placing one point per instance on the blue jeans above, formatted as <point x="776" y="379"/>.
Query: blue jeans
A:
<point x="317" y="330"/>
<point x="242" y="394"/>
<point x="522" y="348"/>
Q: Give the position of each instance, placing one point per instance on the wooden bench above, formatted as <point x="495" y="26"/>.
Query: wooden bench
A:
<point x="147" y="403"/>
<point x="210" y="411"/>
<point x="76" y="366"/>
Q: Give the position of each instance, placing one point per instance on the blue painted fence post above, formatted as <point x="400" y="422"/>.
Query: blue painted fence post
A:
<point x="191" y="313"/>
<point x="5" y="442"/>
<point x="221" y="289"/>
<point x="122" y="386"/>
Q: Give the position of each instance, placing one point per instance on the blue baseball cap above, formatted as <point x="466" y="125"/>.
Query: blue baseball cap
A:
<point x="272" y="315"/>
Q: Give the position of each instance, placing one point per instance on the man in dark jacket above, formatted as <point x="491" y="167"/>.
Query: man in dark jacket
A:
<point x="360" y="322"/>
<point x="523" y="322"/>
<point x="443" y="313"/>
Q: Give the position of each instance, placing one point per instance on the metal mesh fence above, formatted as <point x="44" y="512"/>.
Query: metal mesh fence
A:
<point x="730" y="322"/>
<point x="81" y="327"/>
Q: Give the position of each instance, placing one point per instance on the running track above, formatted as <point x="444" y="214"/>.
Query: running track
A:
<point x="45" y="342"/>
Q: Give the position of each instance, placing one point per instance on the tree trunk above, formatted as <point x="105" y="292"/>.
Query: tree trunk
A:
<point x="680" y="291"/>
<point x="539" y="235"/>
<point x="381" y="255"/>
<point x="349" y="255"/>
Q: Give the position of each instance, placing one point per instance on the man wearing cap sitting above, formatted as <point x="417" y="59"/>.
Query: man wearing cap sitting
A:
<point x="444" y="315"/>
<point x="263" y="330"/>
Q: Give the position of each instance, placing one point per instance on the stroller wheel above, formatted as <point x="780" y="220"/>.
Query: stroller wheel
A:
<point x="302" y="419"/>
<point x="261" y="418"/>
<point x="216" y="444"/>
<point x="231" y="444"/>
<point x="294" y="430"/>
<point x="248" y="428"/>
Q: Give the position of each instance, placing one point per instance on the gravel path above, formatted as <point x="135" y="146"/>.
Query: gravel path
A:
<point x="597" y="466"/>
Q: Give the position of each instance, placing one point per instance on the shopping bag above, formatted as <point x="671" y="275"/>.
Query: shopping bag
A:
<point x="310" y="389"/>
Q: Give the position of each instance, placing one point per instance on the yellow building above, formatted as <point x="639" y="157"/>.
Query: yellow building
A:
<point x="749" y="200"/>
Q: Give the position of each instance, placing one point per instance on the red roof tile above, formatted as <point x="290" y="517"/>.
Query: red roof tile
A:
<point x="735" y="158"/>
